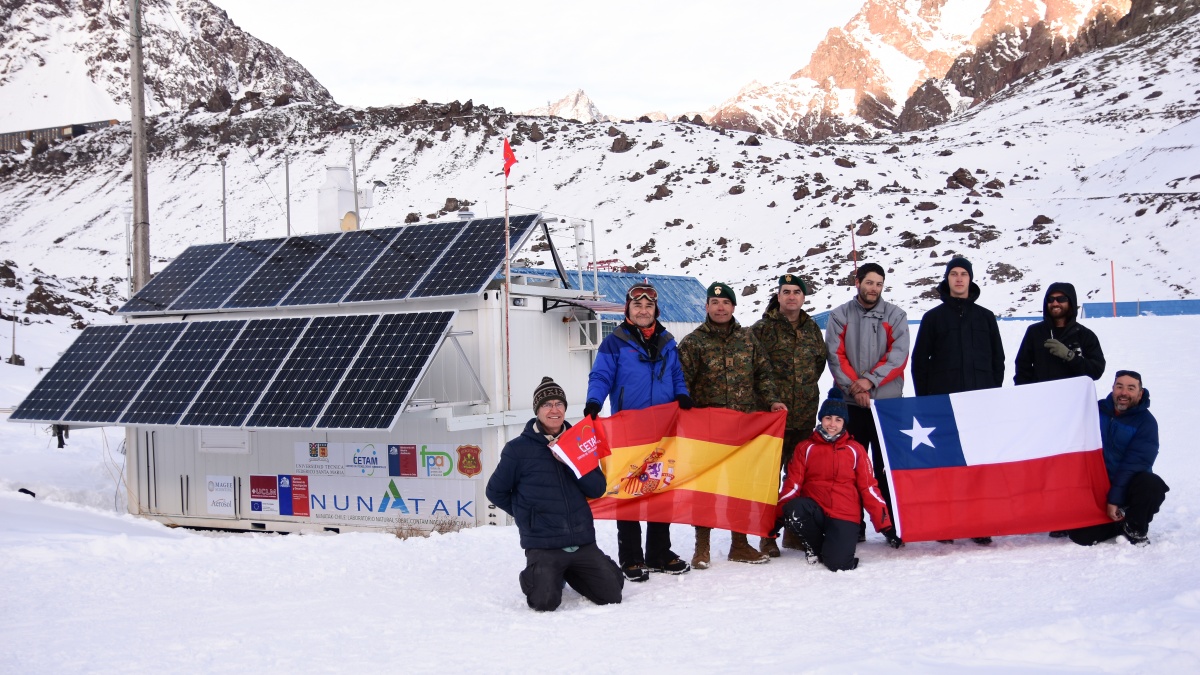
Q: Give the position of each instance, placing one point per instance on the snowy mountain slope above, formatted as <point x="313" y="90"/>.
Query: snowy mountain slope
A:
<point x="682" y="198"/>
<point x="66" y="61"/>
<point x="574" y="106"/>
<point x="911" y="64"/>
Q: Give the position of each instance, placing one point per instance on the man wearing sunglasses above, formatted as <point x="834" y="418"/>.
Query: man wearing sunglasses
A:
<point x="636" y="367"/>
<point x="1058" y="347"/>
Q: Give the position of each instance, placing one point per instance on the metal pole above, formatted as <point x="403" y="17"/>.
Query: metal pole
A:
<point x="1112" y="276"/>
<point x="137" y="104"/>
<point x="224" y="235"/>
<point x="595" y="274"/>
<point x="287" y="193"/>
<point x="507" y="302"/>
<point x="354" y="174"/>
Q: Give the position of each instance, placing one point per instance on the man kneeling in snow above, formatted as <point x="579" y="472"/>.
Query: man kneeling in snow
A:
<point x="820" y="500"/>
<point x="551" y="510"/>
<point x="1130" y="436"/>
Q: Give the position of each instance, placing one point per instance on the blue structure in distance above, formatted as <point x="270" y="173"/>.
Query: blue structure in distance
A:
<point x="680" y="299"/>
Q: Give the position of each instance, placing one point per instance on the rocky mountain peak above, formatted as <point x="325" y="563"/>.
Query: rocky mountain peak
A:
<point x="574" y="106"/>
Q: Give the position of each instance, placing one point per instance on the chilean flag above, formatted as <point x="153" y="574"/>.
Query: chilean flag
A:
<point x="1014" y="460"/>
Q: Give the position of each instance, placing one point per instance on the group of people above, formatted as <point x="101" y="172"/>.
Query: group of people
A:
<point x="832" y="466"/>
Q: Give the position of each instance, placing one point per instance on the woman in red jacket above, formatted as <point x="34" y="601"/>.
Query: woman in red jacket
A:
<point x="829" y="481"/>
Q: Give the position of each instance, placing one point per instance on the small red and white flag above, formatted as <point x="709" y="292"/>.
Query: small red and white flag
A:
<point x="580" y="447"/>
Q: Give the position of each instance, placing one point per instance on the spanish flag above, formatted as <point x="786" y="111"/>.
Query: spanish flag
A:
<point x="706" y="466"/>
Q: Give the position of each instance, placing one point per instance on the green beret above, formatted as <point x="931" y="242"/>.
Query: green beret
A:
<point x="720" y="290"/>
<point x="793" y="280"/>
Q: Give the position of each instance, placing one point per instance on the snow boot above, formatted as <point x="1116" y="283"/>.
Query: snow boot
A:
<point x="740" y="550"/>
<point x="700" y="557"/>
<point x="767" y="545"/>
<point x="982" y="541"/>
<point x="791" y="541"/>
<point x="671" y="564"/>
<point x="1136" y="537"/>
<point x="636" y="572"/>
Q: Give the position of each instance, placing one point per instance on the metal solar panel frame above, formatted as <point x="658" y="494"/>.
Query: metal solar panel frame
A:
<point x="191" y="326"/>
<point x="441" y="342"/>
<point x="58" y="418"/>
<point x="217" y="308"/>
<point x="267" y="389"/>
<point x="463" y="226"/>
<point x="395" y="232"/>
<point x="304" y="273"/>
<point x="133" y="334"/>
<point x="517" y="240"/>
<point x="227" y="247"/>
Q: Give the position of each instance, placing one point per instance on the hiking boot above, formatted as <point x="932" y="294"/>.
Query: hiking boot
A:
<point x="810" y="556"/>
<point x="636" y="572"/>
<point x="1135" y="537"/>
<point x="740" y="550"/>
<point x="1059" y="534"/>
<point x="767" y="545"/>
<point x="700" y="557"/>
<point x="672" y="565"/>
<point x="982" y="541"/>
<point x="790" y="540"/>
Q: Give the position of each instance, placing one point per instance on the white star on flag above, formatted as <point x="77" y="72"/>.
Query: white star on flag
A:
<point x="919" y="434"/>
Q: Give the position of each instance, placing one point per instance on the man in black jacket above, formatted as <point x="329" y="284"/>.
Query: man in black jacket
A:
<point x="552" y="513"/>
<point x="958" y="345"/>
<point x="1057" y="347"/>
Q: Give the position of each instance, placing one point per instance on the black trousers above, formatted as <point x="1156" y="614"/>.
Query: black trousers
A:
<point x="861" y="426"/>
<point x="591" y="573"/>
<point x="629" y="543"/>
<point x="831" y="538"/>
<point x="1145" y="494"/>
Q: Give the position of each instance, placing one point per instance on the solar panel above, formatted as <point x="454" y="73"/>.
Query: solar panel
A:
<point x="278" y="275"/>
<point x="183" y="371"/>
<point x="115" y="385"/>
<point x="235" y="387"/>
<point x="404" y="262"/>
<point x="170" y="283"/>
<point x="304" y="382"/>
<point x="382" y="379"/>
<point x="328" y="280"/>
<point x="471" y="262"/>
<point x="230" y="272"/>
<point x="68" y="378"/>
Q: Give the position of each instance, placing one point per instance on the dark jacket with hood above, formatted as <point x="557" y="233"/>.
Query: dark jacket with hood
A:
<point x="1035" y="363"/>
<point x="958" y="347"/>
<point x="542" y="495"/>
<point x="1130" y="443"/>
<point x="636" y="373"/>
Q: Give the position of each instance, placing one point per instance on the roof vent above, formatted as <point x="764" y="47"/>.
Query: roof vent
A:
<point x="466" y="214"/>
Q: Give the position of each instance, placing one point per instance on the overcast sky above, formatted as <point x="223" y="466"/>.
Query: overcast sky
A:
<point x="630" y="56"/>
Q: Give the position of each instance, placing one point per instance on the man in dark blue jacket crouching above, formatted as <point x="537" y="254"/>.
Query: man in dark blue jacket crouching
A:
<point x="550" y="507"/>
<point x="1130" y="436"/>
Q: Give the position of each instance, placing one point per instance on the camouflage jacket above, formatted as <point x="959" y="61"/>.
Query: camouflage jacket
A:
<point x="727" y="368"/>
<point x="797" y="356"/>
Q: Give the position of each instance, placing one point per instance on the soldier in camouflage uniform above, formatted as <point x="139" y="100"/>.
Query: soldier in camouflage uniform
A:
<point x="795" y="347"/>
<point x="725" y="367"/>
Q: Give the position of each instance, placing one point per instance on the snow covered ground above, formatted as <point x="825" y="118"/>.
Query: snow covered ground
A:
<point x="84" y="589"/>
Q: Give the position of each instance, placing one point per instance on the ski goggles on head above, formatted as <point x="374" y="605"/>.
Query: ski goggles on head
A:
<point x="639" y="292"/>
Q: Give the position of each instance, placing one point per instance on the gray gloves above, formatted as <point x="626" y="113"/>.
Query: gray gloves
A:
<point x="1059" y="349"/>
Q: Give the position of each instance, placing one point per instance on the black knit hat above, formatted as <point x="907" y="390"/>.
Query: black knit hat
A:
<point x="720" y="290"/>
<point x="959" y="261"/>
<point x="793" y="280"/>
<point x="548" y="390"/>
<point x="834" y="405"/>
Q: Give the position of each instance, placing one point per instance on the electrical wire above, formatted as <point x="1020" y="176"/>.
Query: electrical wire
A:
<point x="264" y="180"/>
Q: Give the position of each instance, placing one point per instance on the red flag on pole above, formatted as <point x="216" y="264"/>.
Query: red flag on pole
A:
<point x="509" y="158"/>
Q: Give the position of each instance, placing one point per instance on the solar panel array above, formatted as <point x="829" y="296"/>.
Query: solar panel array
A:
<point x="328" y="372"/>
<point x="386" y="264"/>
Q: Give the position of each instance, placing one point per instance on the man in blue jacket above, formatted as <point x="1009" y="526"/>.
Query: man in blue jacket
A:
<point x="636" y="367"/>
<point x="1130" y="436"/>
<point x="552" y="513"/>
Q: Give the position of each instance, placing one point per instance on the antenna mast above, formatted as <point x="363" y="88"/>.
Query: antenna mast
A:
<point x="137" y="103"/>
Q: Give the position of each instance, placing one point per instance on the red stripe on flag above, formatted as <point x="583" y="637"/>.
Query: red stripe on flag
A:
<point x="690" y="507"/>
<point x="714" y="425"/>
<point x="1038" y="495"/>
